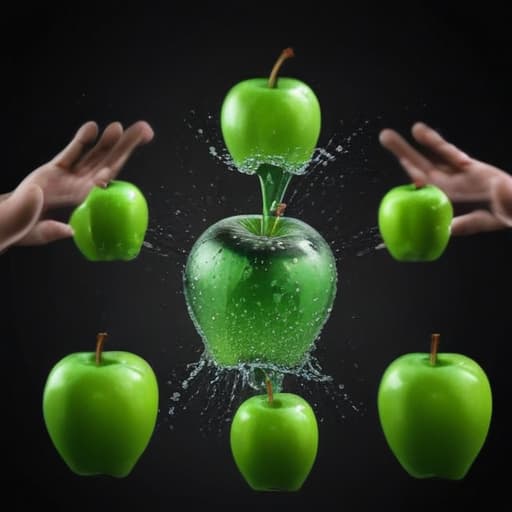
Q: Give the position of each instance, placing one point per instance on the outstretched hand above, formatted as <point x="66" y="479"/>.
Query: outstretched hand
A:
<point x="65" y="181"/>
<point x="461" y="177"/>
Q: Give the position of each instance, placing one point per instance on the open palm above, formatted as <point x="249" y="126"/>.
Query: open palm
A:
<point x="461" y="177"/>
<point x="66" y="180"/>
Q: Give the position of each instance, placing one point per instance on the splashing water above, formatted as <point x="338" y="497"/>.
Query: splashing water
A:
<point x="217" y="392"/>
<point x="323" y="189"/>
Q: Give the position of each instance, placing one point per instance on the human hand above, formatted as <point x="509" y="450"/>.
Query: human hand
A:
<point x="461" y="177"/>
<point x="65" y="181"/>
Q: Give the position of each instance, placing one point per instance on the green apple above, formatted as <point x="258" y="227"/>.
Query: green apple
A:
<point x="274" y="441"/>
<point x="100" y="410"/>
<point x="435" y="411"/>
<point x="271" y="121"/>
<point x="259" y="299"/>
<point x="414" y="222"/>
<point x="111" y="222"/>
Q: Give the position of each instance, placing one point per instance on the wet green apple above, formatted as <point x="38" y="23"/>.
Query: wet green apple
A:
<point x="271" y="121"/>
<point x="274" y="442"/>
<point x="414" y="222"/>
<point x="100" y="410"/>
<point x="260" y="299"/>
<point x="111" y="222"/>
<point x="435" y="411"/>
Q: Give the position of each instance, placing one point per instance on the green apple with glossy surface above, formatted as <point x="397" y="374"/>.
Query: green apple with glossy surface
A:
<point x="271" y="121"/>
<point x="414" y="222"/>
<point x="435" y="411"/>
<point x="274" y="441"/>
<point x="100" y="410"/>
<point x="259" y="299"/>
<point x="111" y="222"/>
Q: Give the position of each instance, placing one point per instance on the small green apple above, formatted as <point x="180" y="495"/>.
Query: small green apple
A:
<point x="435" y="411"/>
<point x="414" y="222"/>
<point x="274" y="441"/>
<point x="100" y="410"/>
<point x="111" y="222"/>
<point x="271" y="122"/>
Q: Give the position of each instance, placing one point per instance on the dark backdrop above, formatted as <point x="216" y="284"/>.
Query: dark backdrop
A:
<point x="370" y="67"/>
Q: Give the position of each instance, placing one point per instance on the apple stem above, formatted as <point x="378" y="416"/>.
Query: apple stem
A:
<point x="418" y="183"/>
<point x="270" y="394"/>
<point x="281" y="207"/>
<point x="101" y="337"/>
<point x="285" y="54"/>
<point x="434" y="345"/>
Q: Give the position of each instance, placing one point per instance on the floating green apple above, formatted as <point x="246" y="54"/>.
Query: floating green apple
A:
<point x="414" y="222"/>
<point x="271" y="127"/>
<point x="100" y="410"/>
<point x="111" y="222"/>
<point x="271" y="121"/>
<point x="274" y="441"/>
<point x="260" y="299"/>
<point x="435" y="411"/>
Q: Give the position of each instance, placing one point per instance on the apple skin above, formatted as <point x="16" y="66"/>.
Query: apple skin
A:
<point x="111" y="222"/>
<point x="415" y="222"/>
<point x="274" y="444"/>
<point x="277" y="126"/>
<point x="435" y="418"/>
<point x="100" y="418"/>
<point x="259" y="299"/>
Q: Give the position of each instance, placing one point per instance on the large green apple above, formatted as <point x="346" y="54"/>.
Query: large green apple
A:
<point x="435" y="413"/>
<point x="111" y="222"/>
<point x="270" y="121"/>
<point x="100" y="410"/>
<point x="274" y="443"/>
<point x="259" y="299"/>
<point x="414" y="222"/>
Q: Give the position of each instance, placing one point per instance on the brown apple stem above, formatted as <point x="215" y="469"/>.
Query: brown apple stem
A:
<point x="270" y="393"/>
<point x="101" y="337"/>
<point x="418" y="183"/>
<point x="281" y="207"/>
<point x="434" y="345"/>
<point x="285" y="54"/>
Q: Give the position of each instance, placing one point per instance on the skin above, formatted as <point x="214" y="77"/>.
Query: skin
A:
<point x="461" y="177"/>
<point x="87" y="160"/>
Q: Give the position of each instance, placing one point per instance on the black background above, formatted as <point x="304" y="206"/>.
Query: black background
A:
<point x="371" y="67"/>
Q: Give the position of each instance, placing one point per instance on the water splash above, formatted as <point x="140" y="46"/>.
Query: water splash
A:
<point x="338" y="172"/>
<point x="217" y="392"/>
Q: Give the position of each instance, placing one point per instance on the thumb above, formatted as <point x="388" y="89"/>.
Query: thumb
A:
<point x="19" y="213"/>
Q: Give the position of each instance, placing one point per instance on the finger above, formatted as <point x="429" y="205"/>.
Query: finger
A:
<point x="477" y="221"/>
<point x="109" y="138"/>
<point x="19" y="213"/>
<point x="501" y="198"/>
<point x="85" y="136"/>
<point x="395" y="143"/>
<point x="45" y="232"/>
<point x="103" y="177"/>
<point x="137" y="134"/>
<point x="443" y="149"/>
<point x="417" y="176"/>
